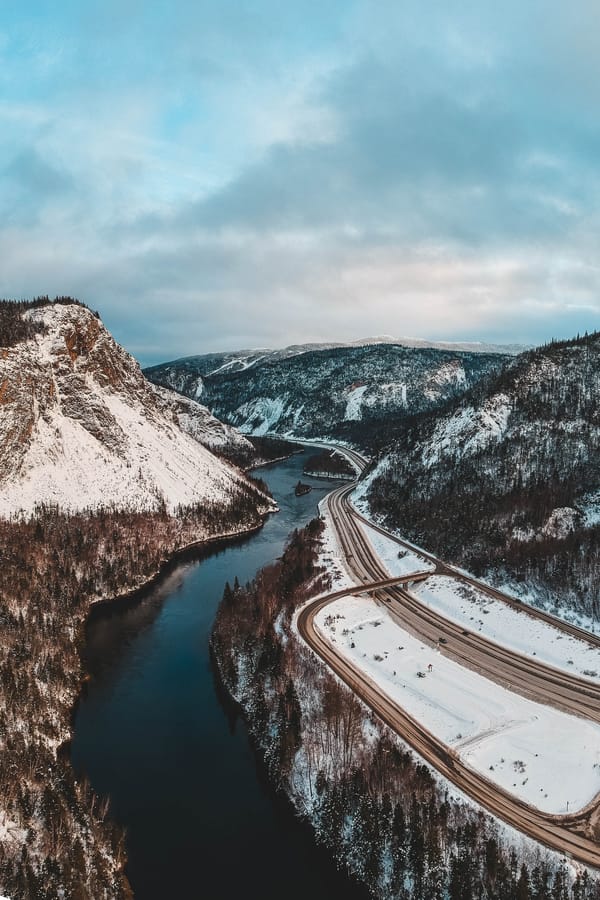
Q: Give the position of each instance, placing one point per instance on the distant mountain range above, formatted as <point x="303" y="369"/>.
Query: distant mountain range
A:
<point x="240" y="360"/>
<point x="353" y="392"/>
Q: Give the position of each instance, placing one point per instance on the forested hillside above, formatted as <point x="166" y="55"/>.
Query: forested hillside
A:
<point x="507" y="478"/>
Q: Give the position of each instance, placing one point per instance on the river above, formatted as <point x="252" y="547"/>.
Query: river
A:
<point x="154" y="733"/>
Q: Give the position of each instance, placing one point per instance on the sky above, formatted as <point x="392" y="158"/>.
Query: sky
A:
<point x="215" y="175"/>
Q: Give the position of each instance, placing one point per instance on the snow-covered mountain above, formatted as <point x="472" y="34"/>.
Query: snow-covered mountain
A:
<point x="198" y="421"/>
<point x="344" y="391"/>
<point x="81" y="428"/>
<point x="509" y="474"/>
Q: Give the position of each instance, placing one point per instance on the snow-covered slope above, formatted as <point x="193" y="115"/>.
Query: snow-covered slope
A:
<point x="80" y="427"/>
<point x="507" y="475"/>
<point x="198" y="421"/>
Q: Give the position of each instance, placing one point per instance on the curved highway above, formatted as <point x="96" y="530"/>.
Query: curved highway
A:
<point x="525" y="675"/>
<point x="576" y="835"/>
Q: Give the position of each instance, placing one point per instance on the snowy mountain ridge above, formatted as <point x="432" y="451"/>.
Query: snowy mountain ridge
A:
<point x="81" y="428"/>
<point x="343" y="392"/>
<point x="240" y="360"/>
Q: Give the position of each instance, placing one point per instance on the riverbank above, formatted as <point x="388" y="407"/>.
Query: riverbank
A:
<point x="152" y="732"/>
<point x="56" y="839"/>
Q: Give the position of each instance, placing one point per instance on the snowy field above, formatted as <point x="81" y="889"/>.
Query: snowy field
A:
<point x="395" y="558"/>
<point x="508" y="626"/>
<point x="544" y="757"/>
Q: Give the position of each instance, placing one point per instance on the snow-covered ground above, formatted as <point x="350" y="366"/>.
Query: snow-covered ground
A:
<point x="508" y="626"/>
<point x="545" y="757"/>
<point x="331" y="555"/>
<point x="396" y="559"/>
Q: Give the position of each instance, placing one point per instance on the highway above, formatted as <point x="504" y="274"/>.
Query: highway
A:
<point x="577" y="834"/>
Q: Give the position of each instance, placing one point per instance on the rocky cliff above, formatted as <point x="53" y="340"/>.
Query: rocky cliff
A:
<point x="81" y="428"/>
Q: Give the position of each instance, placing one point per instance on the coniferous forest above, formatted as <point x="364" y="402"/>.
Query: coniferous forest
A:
<point x="59" y="841"/>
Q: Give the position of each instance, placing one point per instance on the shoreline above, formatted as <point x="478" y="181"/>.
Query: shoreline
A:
<point x="271" y="462"/>
<point x="196" y="550"/>
<point x="192" y="549"/>
<point x="103" y="605"/>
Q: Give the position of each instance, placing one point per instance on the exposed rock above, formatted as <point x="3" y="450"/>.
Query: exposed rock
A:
<point x="81" y="427"/>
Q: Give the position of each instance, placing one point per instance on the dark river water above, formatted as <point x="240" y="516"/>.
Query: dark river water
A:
<point x="154" y="733"/>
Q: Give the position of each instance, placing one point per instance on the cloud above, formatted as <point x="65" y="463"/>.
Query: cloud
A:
<point x="28" y="183"/>
<point x="230" y="174"/>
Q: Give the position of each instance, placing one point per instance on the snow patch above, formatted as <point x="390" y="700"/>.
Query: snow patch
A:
<point x="260" y="416"/>
<point x="468" y="430"/>
<point x="397" y="560"/>
<point x="561" y="522"/>
<point x="353" y="411"/>
<point x="590" y="509"/>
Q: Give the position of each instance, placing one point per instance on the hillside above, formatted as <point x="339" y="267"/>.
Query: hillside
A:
<point x="506" y="480"/>
<point x="81" y="428"/>
<point x="357" y="393"/>
<point x="103" y="479"/>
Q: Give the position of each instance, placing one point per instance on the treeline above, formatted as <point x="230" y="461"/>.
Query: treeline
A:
<point x="268" y="449"/>
<point x="382" y="814"/>
<point x="14" y="328"/>
<point x="263" y="451"/>
<point x="329" y="463"/>
<point x="57" y="840"/>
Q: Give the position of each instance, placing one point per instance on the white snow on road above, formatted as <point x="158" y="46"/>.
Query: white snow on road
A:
<point x="396" y="559"/>
<point x="545" y="757"/>
<point x="510" y="627"/>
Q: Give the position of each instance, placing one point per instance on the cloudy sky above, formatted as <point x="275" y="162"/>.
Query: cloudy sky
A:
<point x="214" y="174"/>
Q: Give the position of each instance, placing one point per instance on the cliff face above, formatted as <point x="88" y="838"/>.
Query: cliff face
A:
<point x="81" y="427"/>
<point x="198" y="421"/>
